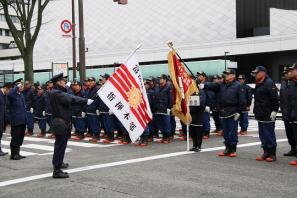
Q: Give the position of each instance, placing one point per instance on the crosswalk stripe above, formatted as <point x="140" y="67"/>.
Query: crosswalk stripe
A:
<point x="24" y="153"/>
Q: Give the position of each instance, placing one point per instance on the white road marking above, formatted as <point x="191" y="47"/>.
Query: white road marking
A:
<point x="24" y="153"/>
<point x="119" y="163"/>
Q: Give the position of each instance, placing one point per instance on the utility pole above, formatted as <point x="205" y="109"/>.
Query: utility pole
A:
<point x="226" y="60"/>
<point x="73" y="41"/>
<point x="82" y="51"/>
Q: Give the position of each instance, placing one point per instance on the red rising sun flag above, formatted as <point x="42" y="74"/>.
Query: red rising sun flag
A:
<point x="184" y="87"/>
<point x="125" y="95"/>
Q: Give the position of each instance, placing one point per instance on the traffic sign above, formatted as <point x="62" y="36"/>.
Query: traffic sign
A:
<point x="66" y="26"/>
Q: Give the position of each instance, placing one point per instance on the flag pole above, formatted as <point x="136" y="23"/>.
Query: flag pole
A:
<point x="133" y="52"/>
<point x="170" y="44"/>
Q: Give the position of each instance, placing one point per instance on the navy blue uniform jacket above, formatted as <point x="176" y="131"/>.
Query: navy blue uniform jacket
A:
<point x="17" y="108"/>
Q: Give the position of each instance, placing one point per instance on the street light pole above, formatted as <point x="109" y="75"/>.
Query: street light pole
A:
<point x="82" y="52"/>
<point x="73" y="40"/>
<point x="226" y="60"/>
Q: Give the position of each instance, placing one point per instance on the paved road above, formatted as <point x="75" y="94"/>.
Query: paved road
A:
<point x="155" y="171"/>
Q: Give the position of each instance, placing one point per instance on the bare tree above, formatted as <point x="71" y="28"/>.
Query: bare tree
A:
<point x="29" y="13"/>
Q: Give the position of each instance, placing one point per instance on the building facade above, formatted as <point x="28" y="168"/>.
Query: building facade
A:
<point x="254" y="32"/>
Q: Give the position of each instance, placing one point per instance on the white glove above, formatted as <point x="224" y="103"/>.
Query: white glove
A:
<point x="236" y="116"/>
<point x="110" y="112"/>
<point x="207" y="109"/>
<point x="43" y="113"/>
<point x="201" y="86"/>
<point x="31" y="110"/>
<point x="90" y="101"/>
<point x="97" y="112"/>
<point x="273" y="115"/>
<point x="83" y="114"/>
<point x="68" y="84"/>
<point x="168" y="111"/>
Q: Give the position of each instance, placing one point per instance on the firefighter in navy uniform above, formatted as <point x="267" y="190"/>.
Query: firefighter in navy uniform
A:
<point x="266" y="106"/>
<point x="216" y="110"/>
<point x="196" y="126"/>
<point x="29" y="98"/>
<point x="39" y="110"/>
<point x="78" y="113"/>
<point x="3" y="105"/>
<point x="162" y="107"/>
<point x="292" y="103"/>
<point x="62" y="103"/>
<point x="106" y="116"/>
<point x="18" y="119"/>
<point x="244" y="115"/>
<point x="231" y="102"/>
<point x="91" y="110"/>
<point x="48" y="109"/>
<point x="284" y="106"/>
<point x="210" y="96"/>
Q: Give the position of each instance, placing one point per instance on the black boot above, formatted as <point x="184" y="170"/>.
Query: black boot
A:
<point x="59" y="174"/>
<point x="64" y="165"/>
<point x="2" y="153"/>
<point x="14" y="155"/>
<point x="18" y="153"/>
<point x="292" y="152"/>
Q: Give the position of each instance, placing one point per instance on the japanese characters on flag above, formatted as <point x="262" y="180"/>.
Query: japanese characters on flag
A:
<point x="125" y="95"/>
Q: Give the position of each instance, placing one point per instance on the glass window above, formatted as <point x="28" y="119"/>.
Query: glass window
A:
<point x="1" y="32"/>
<point x="6" y="32"/>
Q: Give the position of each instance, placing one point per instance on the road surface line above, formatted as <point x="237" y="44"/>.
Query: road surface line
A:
<point x="119" y="163"/>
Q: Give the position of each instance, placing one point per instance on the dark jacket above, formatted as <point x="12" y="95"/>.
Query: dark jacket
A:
<point x="48" y="108"/>
<point x="284" y="105"/>
<point x="77" y="109"/>
<point x="150" y="97"/>
<point x="2" y="110"/>
<point x="29" y="98"/>
<point x="292" y="104"/>
<point x="248" y="94"/>
<point x="17" y="108"/>
<point x="231" y="97"/>
<point x="162" y="99"/>
<point x="62" y="103"/>
<point x="39" y="105"/>
<point x="266" y="100"/>
<point x="92" y="94"/>
<point x="197" y="111"/>
<point x="210" y="98"/>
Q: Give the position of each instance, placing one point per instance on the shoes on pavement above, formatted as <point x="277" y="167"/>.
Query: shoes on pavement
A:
<point x="59" y="174"/>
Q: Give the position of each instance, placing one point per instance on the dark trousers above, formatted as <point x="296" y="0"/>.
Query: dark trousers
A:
<point x="108" y="125"/>
<point x="163" y="122"/>
<point x="156" y="127"/>
<point x="244" y="121"/>
<point x="59" y="150"/>
<point x="267" y="134"/>
<point x="290" y="134"/>
<point x="217" y="120"/>
<point x="1" y="134"/>
<point x="30" y="121"/>
<point x="93" y="124"/>
<point x="49" y="120"/>
<point x="79" y="124"/>
<point x="230" y="127"/>
<point x="196" y="133"/>
<point x="17" y="138"/>
<point x="42" y="124"/>
<point x="206" y="122"/>
<point x="294" y="129"/>
<point x="172" y="125"/>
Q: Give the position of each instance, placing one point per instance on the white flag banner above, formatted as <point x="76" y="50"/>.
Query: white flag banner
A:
<point x="125" y="95"/>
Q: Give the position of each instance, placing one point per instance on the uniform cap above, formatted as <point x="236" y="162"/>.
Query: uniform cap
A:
<point x="259" y="69"/>
<point x="241" y="76"/>
<point x="164" y="76"/>
<point x="57" y="78"/>
<point x="106" y="76"/>
<point x="201" y="73"/>
<point x="18" y="81"/>
<point x="230" y="71"/>
<point x="91" y="79"/>
<point x="294" y="66"/>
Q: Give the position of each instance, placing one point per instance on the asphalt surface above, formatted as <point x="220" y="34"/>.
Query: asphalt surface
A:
<point x="190" y="175"/>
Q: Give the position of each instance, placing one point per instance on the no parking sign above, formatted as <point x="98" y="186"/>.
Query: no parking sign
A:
<point x="66" y="26"/>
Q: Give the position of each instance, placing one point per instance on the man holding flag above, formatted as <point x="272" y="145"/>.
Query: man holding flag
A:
<point x="125" y="95"/>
